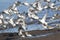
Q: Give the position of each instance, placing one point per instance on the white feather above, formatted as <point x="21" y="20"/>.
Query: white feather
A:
<point x="0" y="21"/>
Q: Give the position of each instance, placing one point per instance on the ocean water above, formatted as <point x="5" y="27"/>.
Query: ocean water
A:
<point x="4" y="4"/>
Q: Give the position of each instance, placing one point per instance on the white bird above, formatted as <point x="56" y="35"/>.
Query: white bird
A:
<point x="4" y="26"/>
<point x="32" y="14"/>
<point x="5" y="21"/>
<point x="58" y="8"/>
<point x="43" y="20"/>
<point x="56" y="16"/>
<point x="12" y="22"/>
<point x="6" y="11"/>
<point x="1" y="16"/>
<point x="1" y="21"/>
<point x="20" y="33"/>
<point x="16" y="4"/>
<point x="28" y="35"/>
<point x="58" y="26"/>
<point x="38" y="5"/>
<point x="12" y="8"/>
<point x="32" y="11"/>
<point x="45" y="7"/>
<point x="44" y="23"/>
<point x="26" y="4"/>
<point x="21" y="21"/>
<point x="52" y="5"/>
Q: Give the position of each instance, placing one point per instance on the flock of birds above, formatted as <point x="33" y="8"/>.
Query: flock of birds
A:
<point x="6" y="21"/>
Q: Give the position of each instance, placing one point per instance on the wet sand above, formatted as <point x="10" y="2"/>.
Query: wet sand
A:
<point x="50" y="37"/>
<point x="14" y="36"/>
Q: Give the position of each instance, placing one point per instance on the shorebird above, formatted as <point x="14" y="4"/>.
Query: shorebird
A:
<point x="50" y="6"/>
<point x="37" y="5"/>
<point x="34" y="8"/>
<point x="1" y="16"/>
<point x="58" y="26"/>
<point x="43" y="20"/>
<point x="2" y="24"/>
<point x="44" y="23"/>
<point x="1" y="19"/>
<point x="58" y="8"/>
<point x="26" y="4"/>
<point x="32" y="11"/>
<point x="25" y="34"/>
<point x="22" y="26"/>
<point x="5" y="21"/>
<point x="11" y="21"/>
<point x="12" y="8"/>
<point x="56" y="16"/>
